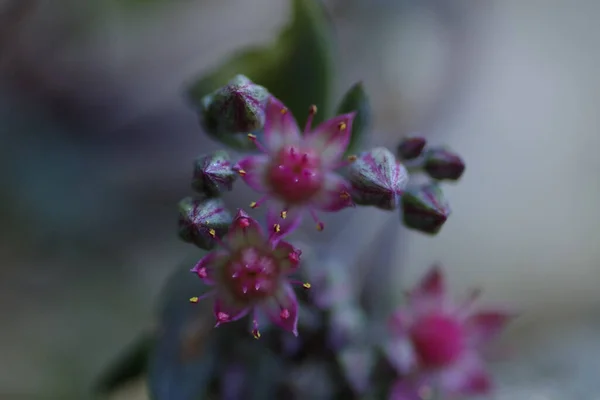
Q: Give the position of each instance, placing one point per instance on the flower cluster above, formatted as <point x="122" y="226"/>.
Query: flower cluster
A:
<point x="435" y="343"/>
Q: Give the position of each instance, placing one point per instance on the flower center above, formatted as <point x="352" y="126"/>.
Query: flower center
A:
<point x="252" y="275"/>
<point x="438" y="340"/>
<point x="295" y="176"/>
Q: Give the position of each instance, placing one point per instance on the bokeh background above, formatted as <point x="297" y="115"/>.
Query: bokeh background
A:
<point x="97" y="143"/>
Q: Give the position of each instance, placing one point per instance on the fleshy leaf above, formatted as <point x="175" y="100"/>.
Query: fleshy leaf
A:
<point x="130" y="365"/>
<point x="356" y="100"/>
<point x="297" y="68"/>
<point x="183" y="361"/>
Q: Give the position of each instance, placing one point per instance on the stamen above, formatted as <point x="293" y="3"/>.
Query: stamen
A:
<point x="258" y="145"/>
<point x="256" y="204"/>
<point x="305" y="285"/>
<point x="283" y="111"/>
<point x="312" y="110"/>
<point x="255" y="331"/>
<point x="241" y="172"/>
<point x="344" y="195"/>
<point x="342" y="126"/>
<point x="196" y="299"/>
<point x="212" y="233"/>
<point x="283" y="214"/>
<point x="276" y="228"/>
<point x="320" y="225"/>
<point x="344" y="163"/>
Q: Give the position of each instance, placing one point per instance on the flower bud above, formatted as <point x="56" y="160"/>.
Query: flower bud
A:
<point x="238" y="107"/>
<point x="411" y="148"/>
<point x="377" y="179"/>
<point x="424" y="208"/>
<point x="200" y="221"/>
<point x="442" y="164"/>
<point x="213" y="173"/>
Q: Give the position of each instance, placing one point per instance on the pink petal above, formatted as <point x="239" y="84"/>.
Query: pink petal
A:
<point x="288" y="257"/>
<point x="252" y="169"/>
<point x="400" y="322"/>
<point x="282" y="309"/>
<point x="405" y="389"/>
<point x="467" y="377"/>
<point x="334" y="195"/>
<point x="281" y="127"/>
<point x="244" y="231"/>
<point x="207" y="266"/>
<point x="401" y="355"/>
<point x="331" y="138"/>
<point x="433" y="284"/>
<point x="226" y="310"/>
<point x="486" y="325"/>
<point x="293" y="218"/>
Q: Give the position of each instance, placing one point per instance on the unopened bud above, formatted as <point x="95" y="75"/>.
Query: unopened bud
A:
<point x="411" y="148"/>
<point x="213" y="173"/>
<point x="442" y="164"/>
<point x="201" y="220"/>
<point x="238" y="107"/>
<point x="424" y="208"/>
<point x="377" y="179"/>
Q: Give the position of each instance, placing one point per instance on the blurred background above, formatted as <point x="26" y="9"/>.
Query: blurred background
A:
<point x="97" y="144"/>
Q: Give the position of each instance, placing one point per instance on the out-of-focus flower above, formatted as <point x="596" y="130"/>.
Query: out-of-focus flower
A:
<point x="437" y="342"/>
<point x="201" y="219"/>
<point x="442" y="164"/>
<point x="424" y="208"/>
<point x="249" y="272"/>
<point x="238" y="107"/>
<point x="297" y="172"/>
<point x="213" y="173"/>
<point x="378" y="179"/>
<point x="411" y="148"/>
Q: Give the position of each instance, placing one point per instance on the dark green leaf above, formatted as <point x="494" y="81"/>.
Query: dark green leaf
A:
<point x="128" y="366"/>
<point x="184" y="359"/>
<point x="356" y="100"/>
<point x="297" y="68"/>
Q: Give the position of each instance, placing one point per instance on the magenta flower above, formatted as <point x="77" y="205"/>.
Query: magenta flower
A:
<point x="249" y="272"/>
<point x="296" y="172"/>
<point x="437" y="343"/>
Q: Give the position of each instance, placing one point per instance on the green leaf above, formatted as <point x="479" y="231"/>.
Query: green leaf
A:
<point x="129" y="366"/>
<point x="184" y="359"/>
<point x="297" y="68"/>
<point x="356" y="100"/>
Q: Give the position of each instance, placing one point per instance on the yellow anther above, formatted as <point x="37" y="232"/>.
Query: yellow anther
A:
<point x="320" y="226"/>
<point x="344" y="195"/>
<point x="212" y="232"/>
<point x="253" y="204"/>
<point x="306" y="285"/>
<point x="241" y="172"/>
<point x="283" y="110"/>
<point x="342" y="126"/>
<point x="194" y="299"/>
<point x="312" y="109"/>
<point x="256" y="334"/>
<point x="251" y="136"/>
<point x="352" y="158"/>
<point x="276" y="228"/>
<point x="283" y="214"/>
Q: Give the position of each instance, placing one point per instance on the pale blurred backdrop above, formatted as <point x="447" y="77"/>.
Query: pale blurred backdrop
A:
<point x="97" y="143"/>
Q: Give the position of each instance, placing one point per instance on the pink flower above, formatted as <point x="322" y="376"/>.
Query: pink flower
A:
<point x="296" y="172"/>
<point x="437" y="342"/>
<point x="249" y="272"/>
